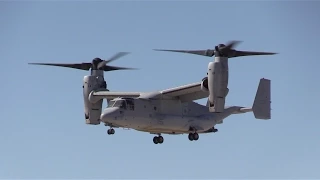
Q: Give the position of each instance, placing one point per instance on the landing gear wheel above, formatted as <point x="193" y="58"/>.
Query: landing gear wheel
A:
<point x="195" y="136"/>
<point x="155" y="140"/>
<point x="190" y="136"/>
<point x="158" y="140"/>
<point x="110" y="131"/>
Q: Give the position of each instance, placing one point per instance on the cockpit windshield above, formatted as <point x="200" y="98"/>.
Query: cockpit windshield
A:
<point x="122" y="104"/>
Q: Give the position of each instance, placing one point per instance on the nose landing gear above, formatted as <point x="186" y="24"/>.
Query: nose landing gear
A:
<point x="111" y="131"/>
<point x="158" y="139"/>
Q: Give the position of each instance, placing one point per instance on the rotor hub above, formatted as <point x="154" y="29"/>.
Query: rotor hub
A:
<point x="221" y="45"/>
<point x="95" y="63"/>
<point x="221" y="51"/>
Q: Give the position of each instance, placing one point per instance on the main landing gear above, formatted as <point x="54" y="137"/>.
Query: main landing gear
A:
<point x="111" y="131"/>
<point x="158" y="139"/>
<point x="193" y="136"/>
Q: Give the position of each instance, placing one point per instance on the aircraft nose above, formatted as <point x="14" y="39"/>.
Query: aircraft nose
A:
<point x="109" y="114"/>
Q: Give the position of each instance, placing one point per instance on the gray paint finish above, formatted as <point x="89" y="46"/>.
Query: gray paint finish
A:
<point x="169" y="111"/>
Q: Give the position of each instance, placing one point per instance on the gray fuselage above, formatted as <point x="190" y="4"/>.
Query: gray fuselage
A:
<point x="161" y="115"/>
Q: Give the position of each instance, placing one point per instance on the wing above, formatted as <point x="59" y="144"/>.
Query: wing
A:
<point x="95" y="96"/>
<point x="189" y="92"/>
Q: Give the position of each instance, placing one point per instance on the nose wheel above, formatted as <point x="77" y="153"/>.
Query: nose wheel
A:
<point x="193" y="136"/>
<point x="158" y="139"/>
<point x="111" y="131"/>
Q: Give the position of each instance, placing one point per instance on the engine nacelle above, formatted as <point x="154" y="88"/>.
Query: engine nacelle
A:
<point x="204" y="84"/>
<point x="217" y="84"/>
<point x="92" y="110"/>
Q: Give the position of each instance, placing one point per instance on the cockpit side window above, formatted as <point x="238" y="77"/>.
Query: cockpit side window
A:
<point x="110" y="104"/>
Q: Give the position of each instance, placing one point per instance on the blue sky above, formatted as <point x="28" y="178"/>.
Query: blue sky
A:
<point x="43" y="133"/>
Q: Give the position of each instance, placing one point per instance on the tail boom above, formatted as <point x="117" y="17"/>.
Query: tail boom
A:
<point x="262" y="103"/>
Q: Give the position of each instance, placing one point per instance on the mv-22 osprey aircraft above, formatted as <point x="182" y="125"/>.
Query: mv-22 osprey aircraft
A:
<point x="169" y="111"/>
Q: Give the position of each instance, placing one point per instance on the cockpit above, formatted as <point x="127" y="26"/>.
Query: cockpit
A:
<point x="126" y="104"/>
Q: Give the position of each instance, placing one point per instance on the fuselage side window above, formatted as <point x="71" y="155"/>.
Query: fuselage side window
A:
<point x="121" y="104"/>
<point x="130" y="104"/>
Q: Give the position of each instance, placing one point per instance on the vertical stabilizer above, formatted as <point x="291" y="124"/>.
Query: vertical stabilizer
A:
<point x="262" y="103"/>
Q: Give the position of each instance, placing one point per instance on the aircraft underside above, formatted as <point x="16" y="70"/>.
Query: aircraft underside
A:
<point x="193" y="135"/>
<point x="172" y="125"/>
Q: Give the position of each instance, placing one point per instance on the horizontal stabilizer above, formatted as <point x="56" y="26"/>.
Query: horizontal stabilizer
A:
<point x="262" y="103"/>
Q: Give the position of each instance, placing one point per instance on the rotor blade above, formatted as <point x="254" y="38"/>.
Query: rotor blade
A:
<point x="113" y="68"/>
<point x="232" y="44"/>
<point x="82" y="66"/>
<point x="116" y="56"/>
<point x="102" y="64"/>
<point x="250" y="53"/>
<point x="208" y="52"/>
